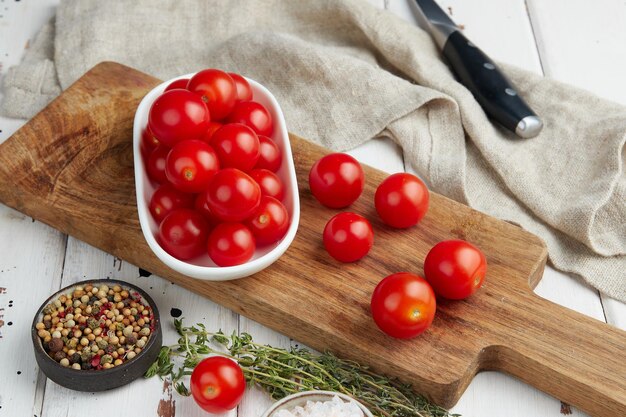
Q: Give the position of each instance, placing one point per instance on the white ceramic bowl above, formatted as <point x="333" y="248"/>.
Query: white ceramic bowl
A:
<point x="301" y="398"/>
<point x="203" y="267"/>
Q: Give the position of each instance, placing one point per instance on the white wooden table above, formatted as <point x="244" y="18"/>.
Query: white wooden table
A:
<point x="576" y="41"/>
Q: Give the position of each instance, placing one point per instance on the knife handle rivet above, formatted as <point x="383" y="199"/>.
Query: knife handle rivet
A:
<point x="510" y="92"/>
<point x="489" y="66"/>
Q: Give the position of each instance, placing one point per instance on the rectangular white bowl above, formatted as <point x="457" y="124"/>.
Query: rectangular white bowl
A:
<point x="203" y="267"/>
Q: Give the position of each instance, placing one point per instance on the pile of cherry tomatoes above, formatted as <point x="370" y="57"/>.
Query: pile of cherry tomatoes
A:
<point x="208" y="145"/>
<point x="403" y="305"/>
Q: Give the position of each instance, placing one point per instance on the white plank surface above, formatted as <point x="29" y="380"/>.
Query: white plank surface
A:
<point x="576" y="44"/>
<point x="582" y="43"/>
<point x="31" y="259"/>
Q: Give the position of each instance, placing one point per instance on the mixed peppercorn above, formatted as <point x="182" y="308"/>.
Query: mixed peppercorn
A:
<point x="95" y="327"/>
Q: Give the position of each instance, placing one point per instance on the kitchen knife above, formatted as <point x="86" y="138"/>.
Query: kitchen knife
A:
<point x="491" y="88"/>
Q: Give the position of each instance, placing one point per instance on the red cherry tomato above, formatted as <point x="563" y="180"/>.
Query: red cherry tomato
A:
<point x="217" y="89"/>
<point x="237" y="146"/>
<point x="270" y="222"/>
<point x="401" y="200"/>
<point x="244" y="91"/>
<point x="213" y="127"/>
<point x="183" y="234"/>
<point x="166" y="199"/>
<point x="177" y="84"/>
<point x="455" y="269"/>
<point x="148" y="143"/>
<point x="178" y="115"/>
<point x="233" y="195"/>
<point x="231" y="244"/>
<point x="217" y="384"/>
<point x="348" y="237"/>
<point x="270" y="156"/>
<point x="336" y="180"/>
<point x="269" y="182"/>
<point x="155" y="166"/>
<point x="202" y="206"/>
<point x="190" y="166"/>
<point x="403" y="305"/>
<point x="254" y="115"/>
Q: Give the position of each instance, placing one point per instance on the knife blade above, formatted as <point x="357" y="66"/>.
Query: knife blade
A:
<point x="492" y="89"/>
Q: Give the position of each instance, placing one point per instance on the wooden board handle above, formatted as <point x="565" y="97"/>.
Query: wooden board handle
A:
<point x="567" y="357"/>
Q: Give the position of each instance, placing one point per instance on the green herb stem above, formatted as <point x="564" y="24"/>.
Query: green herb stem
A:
<point x="281" y="372"/>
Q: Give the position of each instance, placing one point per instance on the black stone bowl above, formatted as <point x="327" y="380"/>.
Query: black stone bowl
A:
<point x="103" y="379"/>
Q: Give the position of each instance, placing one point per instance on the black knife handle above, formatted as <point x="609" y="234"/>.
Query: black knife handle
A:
<point x="495" y="93"/>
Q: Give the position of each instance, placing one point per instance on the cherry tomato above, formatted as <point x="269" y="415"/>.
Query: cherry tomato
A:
<point x="178" y="115"/>
<point x="213" y="127"/>
<point x="270" y="156"/>
<point x="270" y="222"/>
<point x="455" y="269"/>
<point x="401" y="200"/>
<point x="403" y="305"/>
<point x="202" y="206"/>
<point x="182" y="84"/>
<point x="336" y="180"/>
<point x="348" y="237"/>
<point x="269" y="182"/>
<point x="183" y="234"/>
<point x="217" y="89"/>
<point x="190" y="165"/>
<point x="254" y="115"/>
<point x="231" y="244"/>
<point x="244" y="91"/>
<point x="148" y="143"/>
<point x="217" y="384"/>
<point x="233" y="195"/>
<point x="155" y="166"/>
<point x="166" y="199"/>
<point x="237" y="146"/>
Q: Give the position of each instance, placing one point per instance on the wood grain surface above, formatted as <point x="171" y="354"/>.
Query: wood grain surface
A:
<point x="71" y="167"/>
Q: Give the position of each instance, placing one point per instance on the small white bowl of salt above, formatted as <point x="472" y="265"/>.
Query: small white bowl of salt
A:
<point x="318" y="404"/>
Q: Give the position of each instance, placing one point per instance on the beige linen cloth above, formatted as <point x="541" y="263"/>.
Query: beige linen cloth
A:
<point x="345" y="72"/>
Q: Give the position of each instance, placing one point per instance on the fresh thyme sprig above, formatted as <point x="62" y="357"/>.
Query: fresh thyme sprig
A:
<point x="281" y="372"/>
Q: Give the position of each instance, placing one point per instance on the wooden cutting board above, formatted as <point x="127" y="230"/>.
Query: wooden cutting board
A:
<point x="71" y="167"/>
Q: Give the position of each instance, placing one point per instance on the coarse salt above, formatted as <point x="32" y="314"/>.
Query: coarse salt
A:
<point x="332" y="408"/>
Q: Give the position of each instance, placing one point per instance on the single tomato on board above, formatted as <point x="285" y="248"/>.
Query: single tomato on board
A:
<point x="348" y="237"/>
<point x="401" y="200"/>
<point x="217" y="384"/>
<point x="403" y="305"/>
<point x="336" y="180"/>
<point x="455" y="269"/>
